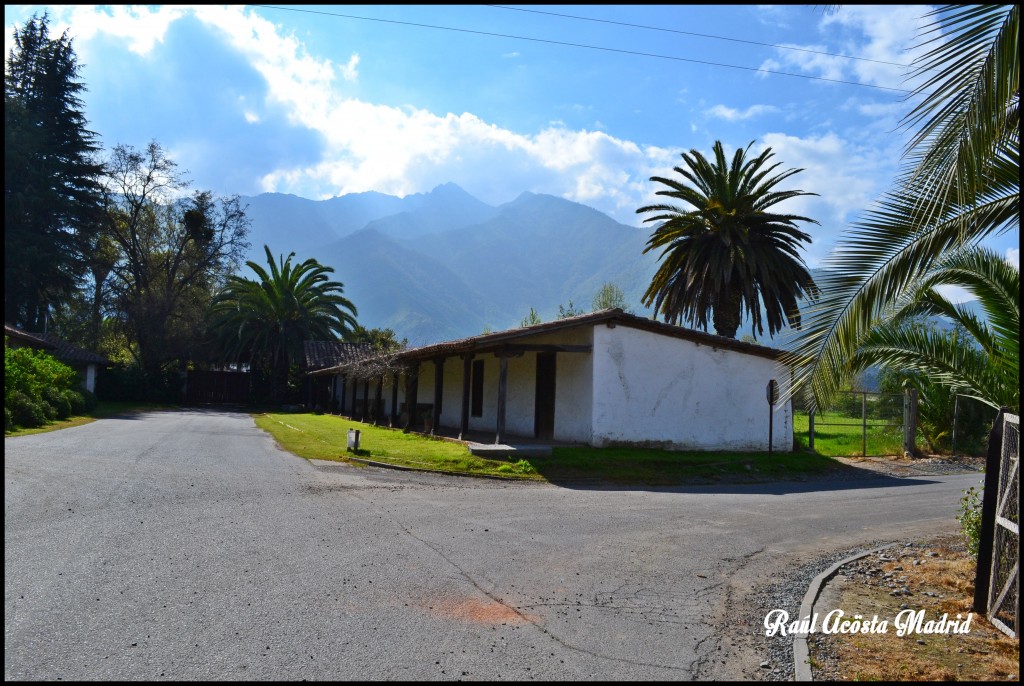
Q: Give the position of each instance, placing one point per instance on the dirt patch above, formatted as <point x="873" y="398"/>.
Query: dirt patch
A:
<point x="937" y="578"/>
<point x="478" y="611"/>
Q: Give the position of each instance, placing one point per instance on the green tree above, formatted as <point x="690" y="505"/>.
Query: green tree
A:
<point x="722" y="252"/>
<point x="173" y="251"/>
<point x="52" y="196"/>
<point x="564" y="312"/>
<point x="960" y="183"/>
<point x="610" y="296"/>
<point x="381" y="340"/>
<point x="265" y="321"/>
<point x="531" y="319"/>
<point x="980" y="357"/>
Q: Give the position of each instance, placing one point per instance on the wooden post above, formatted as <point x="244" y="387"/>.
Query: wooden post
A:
<point x="467" y="372"/>
<point x="366" y="400"/>
<point x="810" y="430"/>
<point x="989" y="498"/>
<point x="344" y="389"/>
<point x="394" y="400"/>
<point x="438" y="394"/>
<point x="376" y="402"/>
<point x="411" y="392"/>
<point x="502" y="388"/>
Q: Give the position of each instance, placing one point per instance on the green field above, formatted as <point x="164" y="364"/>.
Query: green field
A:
<point x="841" y="435"/>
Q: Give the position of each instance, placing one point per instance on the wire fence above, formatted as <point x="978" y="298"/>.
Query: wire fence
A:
<point x="857" y="423"/>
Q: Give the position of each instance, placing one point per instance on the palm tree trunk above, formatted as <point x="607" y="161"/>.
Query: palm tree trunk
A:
<point x="727" y="312"/>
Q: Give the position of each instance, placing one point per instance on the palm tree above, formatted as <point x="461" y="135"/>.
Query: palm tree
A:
<point x="959" y="185"/>
<point x="265" y="321"/>
<point x="725" y="253"/>
<point x="980" y="358"/>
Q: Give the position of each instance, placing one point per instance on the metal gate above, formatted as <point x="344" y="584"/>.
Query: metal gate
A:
<point x="217" y="387"/>
<point x="1004" y="584"/>
<point x="865" y="422"/>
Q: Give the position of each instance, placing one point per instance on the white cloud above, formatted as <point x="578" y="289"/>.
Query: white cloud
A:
<point x="1013" y="256"/>
<point x="885" y="36"/>
<point x="349" y="71"/>
<point x="731" y="114"/>
<point x="955" y="294"/>
<point x="140" y="27"/>
<point x="509" y="55"/>
<point x="402" y="150"/>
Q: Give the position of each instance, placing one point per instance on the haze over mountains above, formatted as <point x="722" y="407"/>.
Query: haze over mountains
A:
<point x="443" y="265"/>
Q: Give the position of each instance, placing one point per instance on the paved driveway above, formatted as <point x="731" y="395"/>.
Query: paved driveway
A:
<point x="186" y="545"/>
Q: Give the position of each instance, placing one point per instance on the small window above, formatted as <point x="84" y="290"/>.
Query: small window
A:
<point x="477" y="404"/>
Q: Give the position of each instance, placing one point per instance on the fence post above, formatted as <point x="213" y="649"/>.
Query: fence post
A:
<point x="810" y="429"/>
<point x="989" y="498"/>
<point x="909" y="421"/>
<point x="864" y="422"/>
<point x="956" y="414"/>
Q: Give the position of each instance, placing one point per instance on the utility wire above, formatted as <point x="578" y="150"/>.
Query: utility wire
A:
<point x="701" y="35"/>
<point x="582" y="45"/>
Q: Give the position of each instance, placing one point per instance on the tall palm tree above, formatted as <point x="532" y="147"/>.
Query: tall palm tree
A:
<point x="724" y="252"/>
<point x="980" y="357"/>
<point x="265" y="321"/>
<point x="960" y="183"/>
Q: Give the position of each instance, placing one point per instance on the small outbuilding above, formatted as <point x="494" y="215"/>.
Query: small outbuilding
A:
<point x="607" y="378"/>
<point x="85" y="362"/>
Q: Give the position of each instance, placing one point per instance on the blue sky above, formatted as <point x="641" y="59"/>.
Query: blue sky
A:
<point x="307" y="101"/>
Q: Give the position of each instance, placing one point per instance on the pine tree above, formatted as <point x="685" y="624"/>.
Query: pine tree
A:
<point x="52" y="197"/>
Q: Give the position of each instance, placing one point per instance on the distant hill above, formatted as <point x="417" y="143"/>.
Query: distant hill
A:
<point x="442" y="265"/>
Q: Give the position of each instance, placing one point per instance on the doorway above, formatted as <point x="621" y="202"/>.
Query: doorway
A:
<point x="544" y="405"/>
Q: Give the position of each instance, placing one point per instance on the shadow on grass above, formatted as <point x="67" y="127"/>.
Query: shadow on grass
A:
<point x="695" y="473"/>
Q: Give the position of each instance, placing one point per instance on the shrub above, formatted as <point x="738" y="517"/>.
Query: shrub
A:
<point x="970" y="518"/>
<point x="36" y="386"/>
<point x="25" y="411"/>
<point x="77" y="401"/>
<point x="8" y="420"/>
<point x="58" y="400"/>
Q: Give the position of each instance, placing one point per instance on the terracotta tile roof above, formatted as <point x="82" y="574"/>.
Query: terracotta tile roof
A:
<point x="26" y="338"/>
<point x="493" y="341"/>
<point x="615" y="315"/>
<point x="320" y="354"/>
<point x="71" y="353"/>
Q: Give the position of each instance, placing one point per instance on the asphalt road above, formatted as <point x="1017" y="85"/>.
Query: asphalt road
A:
<point x="186" y="545"/>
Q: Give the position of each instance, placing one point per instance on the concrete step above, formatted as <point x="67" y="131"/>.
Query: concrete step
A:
<point x="502" y="451"/>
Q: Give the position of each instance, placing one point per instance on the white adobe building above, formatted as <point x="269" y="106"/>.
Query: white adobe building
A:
<point x="603" y="379"/>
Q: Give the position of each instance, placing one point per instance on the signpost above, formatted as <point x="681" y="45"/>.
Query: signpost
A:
<point x="772" y="392"/>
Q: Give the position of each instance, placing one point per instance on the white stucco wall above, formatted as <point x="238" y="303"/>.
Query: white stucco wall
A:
<point x="354" y="391"/>
<point x="572" y="390"/>
<point x="659" y="391"/>
<point x="89" y="378"/>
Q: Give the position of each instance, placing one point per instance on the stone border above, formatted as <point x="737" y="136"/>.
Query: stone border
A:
<point x="801" y="653"/>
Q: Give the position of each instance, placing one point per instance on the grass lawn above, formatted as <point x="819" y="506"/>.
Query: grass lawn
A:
<point x="325" y="437"/>
<point x="842" y="435"/>
<point x="101" y="411"/>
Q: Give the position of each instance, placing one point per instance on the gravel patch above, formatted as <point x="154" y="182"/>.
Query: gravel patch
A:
<point x="787" y="593"/>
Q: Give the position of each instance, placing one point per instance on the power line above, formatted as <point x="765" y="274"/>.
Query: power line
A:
<point x="582" y="45"/>
<point x="701" y="35"/>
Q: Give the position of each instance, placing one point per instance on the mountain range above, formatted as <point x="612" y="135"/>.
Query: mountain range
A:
<point x="442" y="265"/>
